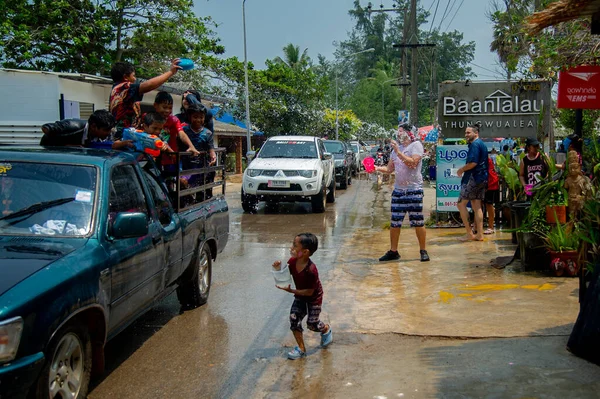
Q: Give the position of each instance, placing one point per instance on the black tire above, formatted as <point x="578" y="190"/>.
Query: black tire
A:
<point x="344" y="181"/>
<point x="194" y="291"/>
<point x="331" y="194"/>
<point x="318" y="201"/>
<point x="249" y="202"/>
<point x="57" y="379"/>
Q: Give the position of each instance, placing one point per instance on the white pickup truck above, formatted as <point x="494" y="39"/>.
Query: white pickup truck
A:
<point x="290" y="169"/>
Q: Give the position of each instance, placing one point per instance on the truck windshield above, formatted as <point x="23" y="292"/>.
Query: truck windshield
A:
<point x="334" y="147"/>
<point x="46" y="199"/>
<point x="288" y="149"/>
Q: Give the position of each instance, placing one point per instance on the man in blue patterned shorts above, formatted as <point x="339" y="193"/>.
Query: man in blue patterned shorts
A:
<point x="407" y="197"/>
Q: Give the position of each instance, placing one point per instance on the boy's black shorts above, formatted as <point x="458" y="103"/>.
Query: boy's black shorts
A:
<point x="492" y="197"/>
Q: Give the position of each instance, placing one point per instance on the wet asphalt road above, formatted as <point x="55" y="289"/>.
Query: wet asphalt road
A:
<point x="452" y="328"/>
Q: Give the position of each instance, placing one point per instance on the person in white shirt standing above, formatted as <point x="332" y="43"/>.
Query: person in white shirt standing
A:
<point x="407" y="197"/>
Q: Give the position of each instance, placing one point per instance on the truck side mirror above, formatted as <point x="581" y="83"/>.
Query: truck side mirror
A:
<point x="250" y="156"/>
<point x="128" y="225"/>
<point x="327" y="155"/>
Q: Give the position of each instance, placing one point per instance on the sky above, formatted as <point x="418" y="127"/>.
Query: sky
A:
<point x="316" y="24"/>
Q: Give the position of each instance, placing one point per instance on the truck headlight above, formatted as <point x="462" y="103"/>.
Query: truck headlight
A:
<point x="307" y="173"/>
<point x="254" y="172"/>
<point x="10" y="336"/>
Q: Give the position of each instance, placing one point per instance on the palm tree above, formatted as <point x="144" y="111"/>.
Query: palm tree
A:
<point x="292" y="57"/>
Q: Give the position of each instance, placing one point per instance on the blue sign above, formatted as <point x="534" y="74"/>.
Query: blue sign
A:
<point x="450" y="158"/>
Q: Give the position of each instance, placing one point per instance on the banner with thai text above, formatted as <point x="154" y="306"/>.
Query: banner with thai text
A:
<point x="450" y="158"/>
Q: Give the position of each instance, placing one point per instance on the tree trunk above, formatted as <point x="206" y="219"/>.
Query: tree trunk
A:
<point x="119" y="49"/>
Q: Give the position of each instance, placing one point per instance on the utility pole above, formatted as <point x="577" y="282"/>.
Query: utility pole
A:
<point x="414" y="113"/>
<point x="404" y="72"/>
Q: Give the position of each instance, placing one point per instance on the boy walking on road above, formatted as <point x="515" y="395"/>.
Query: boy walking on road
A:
<point x="308" y="295"/>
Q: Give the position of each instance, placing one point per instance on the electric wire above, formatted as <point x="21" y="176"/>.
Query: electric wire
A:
<point x="459" y="6"/>
<point x="434" y="14"/>
<point x="446" y="13"/>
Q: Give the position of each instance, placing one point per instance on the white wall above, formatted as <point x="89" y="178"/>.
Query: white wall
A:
<point x="85" y="92"/>
<point x="28" y="98"/>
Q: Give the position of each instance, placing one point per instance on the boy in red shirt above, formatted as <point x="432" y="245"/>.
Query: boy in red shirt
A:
<point x="308" y="295"/>
<point x="172" y="132"/>
<point x="492" y="196"/>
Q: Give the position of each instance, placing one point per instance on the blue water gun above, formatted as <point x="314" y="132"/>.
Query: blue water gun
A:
<point x="144" y="142"/>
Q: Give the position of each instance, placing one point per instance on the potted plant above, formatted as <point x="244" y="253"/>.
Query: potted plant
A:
<point x="532" y="249"/>
<point x="509" y="172"/>
<point x="556" y="207"/>
<point x="563" y="244"/>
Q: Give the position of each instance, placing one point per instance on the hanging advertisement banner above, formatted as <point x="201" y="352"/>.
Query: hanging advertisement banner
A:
<point x="449" y="158"/>
<point x="504" y="109"/>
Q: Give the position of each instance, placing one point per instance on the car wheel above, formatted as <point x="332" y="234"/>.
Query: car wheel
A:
<point x="331" y="193"/>
<point x="67" y="371"/>
<point x="318" y="201"/>
<point x="344" y="181"/>
<point x="249" y="202"/>
<point x="193" y="292"/>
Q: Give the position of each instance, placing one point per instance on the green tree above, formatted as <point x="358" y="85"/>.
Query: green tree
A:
<point x="292" y="57"/>
<point x="381" y="31"/>
<point x="88" y="36"/>
<point x="55" y="35"/>
<point x="543" y="54"/>
<point x="283" y="100"/>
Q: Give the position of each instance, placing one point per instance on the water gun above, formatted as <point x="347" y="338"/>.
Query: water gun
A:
<point x="144" y="142"/>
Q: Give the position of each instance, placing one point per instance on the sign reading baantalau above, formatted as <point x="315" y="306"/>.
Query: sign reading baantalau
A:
<point x="505" y="109"/>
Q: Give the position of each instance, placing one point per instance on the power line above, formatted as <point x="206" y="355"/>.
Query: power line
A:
<point x="434" y="14"/>
<point x="485" y="69"/>
<point x="446" y="13"/>
<point x="459" y="6"/>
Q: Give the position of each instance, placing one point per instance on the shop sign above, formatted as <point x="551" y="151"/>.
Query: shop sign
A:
<point x="504" y="109"/>
<point x="579" y="88"/>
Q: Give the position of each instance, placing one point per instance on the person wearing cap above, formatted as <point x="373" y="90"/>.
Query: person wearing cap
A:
<point x="203" y="141"/>
<point x="407" y="197"/>
<point x="192" y="97"/>
<point x="534" y="167"/>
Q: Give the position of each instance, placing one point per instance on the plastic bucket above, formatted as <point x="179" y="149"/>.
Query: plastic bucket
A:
<point x="186" y="64"/>
<point x="534" y="255"/>
<point x="518" y="210"/>
<point x="282" y="277"/>
<point x="369" y="164"/>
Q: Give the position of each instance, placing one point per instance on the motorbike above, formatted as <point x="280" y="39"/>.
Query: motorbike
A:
<point x="381" y="158"/>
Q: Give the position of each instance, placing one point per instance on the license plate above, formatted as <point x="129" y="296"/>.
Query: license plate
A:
<point x="279" y="183"/>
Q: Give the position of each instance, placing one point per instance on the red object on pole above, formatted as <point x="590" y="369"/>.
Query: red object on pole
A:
<point x="579" y="87"/>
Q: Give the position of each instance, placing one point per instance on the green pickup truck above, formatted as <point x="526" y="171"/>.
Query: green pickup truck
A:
<point x="89" y="241"/>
